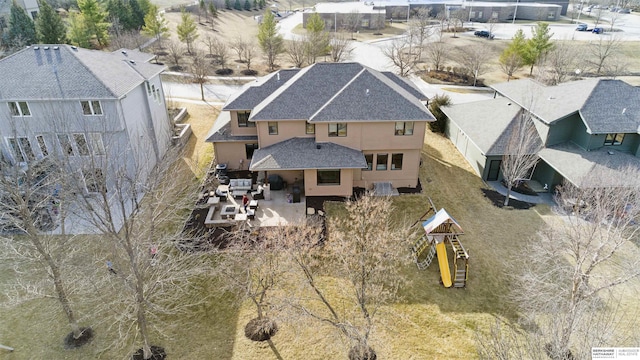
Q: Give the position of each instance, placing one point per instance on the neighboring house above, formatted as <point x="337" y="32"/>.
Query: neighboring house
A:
<point x="103" y="112"/>
<point x="334" y="126"/>
<point x="589" y="130"/>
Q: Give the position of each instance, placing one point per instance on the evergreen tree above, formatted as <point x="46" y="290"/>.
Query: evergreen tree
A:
<point x="203" y="9"/>
<point x="95" y="20"/>
<point x="155" y="25"/>
<point x="137" y="14"/>
<point x="212" y="10"/>
<point x="271" y="43"/>
<point x="78" y="32"/>
<point x="255" y="4"/>
<point x="237" y="5"/>
<point x="22" y="30"/>
<point x="511" y="59"/>
<point x="317" y="38"/>
<point x="262" y="4"/>
<point x="227" y="4"/>
<point x="247" y="5"/>
<point x="435" y="105"/>
<point x="145" y="6"/>
<point x="49" y="26"/>
<point x="187" y="31"/>
<point x="539" y="45"/>
<point x="120" y="11"/>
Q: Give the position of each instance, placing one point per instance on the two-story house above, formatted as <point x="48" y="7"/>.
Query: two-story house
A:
<point x="103" y="113"/>
<point x="334" y="126"/>
<point x="588" y="128"/>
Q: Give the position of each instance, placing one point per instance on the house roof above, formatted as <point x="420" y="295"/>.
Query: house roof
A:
<point x="308" y="155"/>
<point x="486" y="123"/>
<point x="221" y="130"/>
<point x="548" y="103"/>
<point x="255" y="92"/>
<point x="603" y="167"/>
<point x="44" y="72"/>
<point x="605" y="105"/>
<point x="612" y="107"/>
<point x="342" y="92"/>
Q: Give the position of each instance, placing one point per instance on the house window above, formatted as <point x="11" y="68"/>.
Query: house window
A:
<point x="310" y="128"/>
<point x="338" y="129"/>
<point x="329" y="177"/>
<point x="22" y="149"/>
<point x="65" y="144"/>
<point x="396" y="161"/>
<point x="614" y="139"/>
<point x="369" y="159"/>
<point x="81" y="144"/>
<point x="19" y="108"/>
<point x="364" y="23"/>
<point x="97" y="144"/>
<point x="273" y="127"/>
<point x="148" y="88"/>
<point x="94" y="181"/>
<point x="91" y="107"/>
<point x="494" y="15"/>
<point x="381" y="161"/>
<point x="404" y="128"/>
<point x="243" y="119"/>
<point x="249" y="149"/>
<point x="42" y="145"/>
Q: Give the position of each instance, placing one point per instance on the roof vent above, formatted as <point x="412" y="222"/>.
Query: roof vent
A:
<point x="36" y="48"/>
<point x="367" y="92"/>
<point x="124" y="52"/>
<point x="74" y="47"/>
<point x="624" y="110"/>
<point x="278" y="76"/>
<point x="551" y="98"/>
<point x="56" y="48"/>
<point x="610" y="152"/>
<point x="46" y="48"/>
<point x="132" y="61"/>
<point x="508" y="104"/>
<point x="318" y="146"/>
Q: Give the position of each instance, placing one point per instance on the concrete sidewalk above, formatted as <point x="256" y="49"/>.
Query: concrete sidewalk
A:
<point x="542" y="198"/>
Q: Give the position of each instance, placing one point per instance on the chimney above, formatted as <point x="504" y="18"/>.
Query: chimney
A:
<point x="367" y="92"/>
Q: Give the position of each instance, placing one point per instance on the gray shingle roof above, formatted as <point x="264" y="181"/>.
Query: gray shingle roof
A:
<point x="337" y="92"/>
<point x="612" y="107"/>
<point x="221" y="130"/>
<point x="68" y="73"/>
<point x="593" y="168"/>
<point x="308" y="155"/>
<point x="405" y="84"/>
<point x="486" y="123"/>
<point x="372" y="96"/>
<point x="255" y="92"/>
<point x="548" y="103"/>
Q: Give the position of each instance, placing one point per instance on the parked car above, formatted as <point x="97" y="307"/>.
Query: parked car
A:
<point x="598" y="30"/>
<point x="624" y="11"/>
<point x="581" y="27"/>
<point x="484" y="34"/>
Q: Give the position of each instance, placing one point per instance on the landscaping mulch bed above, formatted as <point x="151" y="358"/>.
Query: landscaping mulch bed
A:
<point x="498" y="200"/>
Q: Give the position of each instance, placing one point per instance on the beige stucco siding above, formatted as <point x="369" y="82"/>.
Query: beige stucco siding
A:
<point x="231" y="153"/>
<point x="407" y="177"/>
<point x="374" y="135"/>
<point x="311" y="187"/>
<point x="236" y="130"/>
<point x="286" y="130"/>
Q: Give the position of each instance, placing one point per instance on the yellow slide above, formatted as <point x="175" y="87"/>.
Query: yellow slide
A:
<point x="445" y="273"/>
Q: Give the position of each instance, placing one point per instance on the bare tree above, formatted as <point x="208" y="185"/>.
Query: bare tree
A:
<point x="602" y="52"/>
<point x="239" y="45"/>
<point x="363" y="248"/>
<point x="153" y="279"/>
<point x="220" y="52"/>
<point x="352" y="22"/>
<point x="438" y="54"/>
<point x="562" y="62"/>
<point x="399" y="52"/>
<point x="200" y="70"/>
<point x="491" y="24"/>
<point x="175" y="51"/>
<point x="250" y="52"/>
<point x="32" y="203"/>
<point x="474" y="60"/>
<point x="571" y="268"/>
<point x="521" y="153"/>
<point x="296" y="50"/>
<point x="458" y="17"/>
<point x="510" y="62"/>
<point x="341" y="47"/>
<point x="420" y="29"/>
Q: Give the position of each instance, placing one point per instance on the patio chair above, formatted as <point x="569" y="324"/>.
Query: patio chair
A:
<point x="258" y="194"/>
